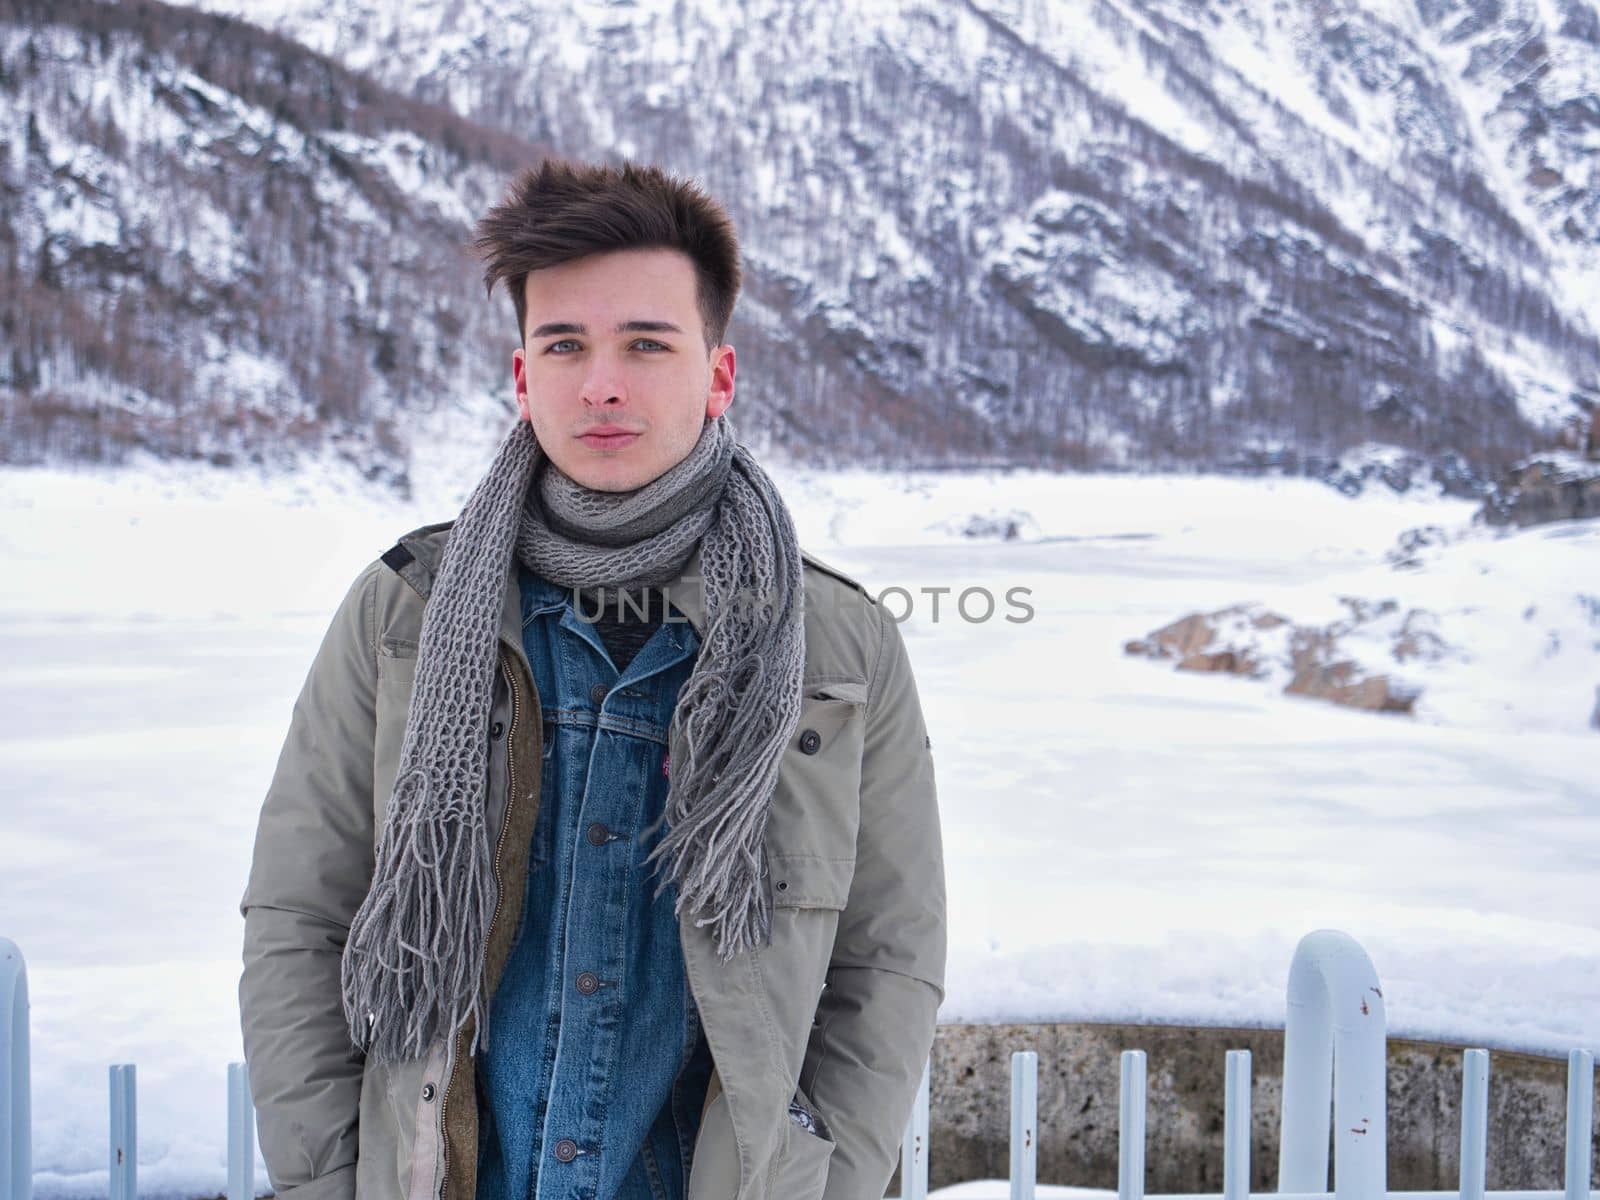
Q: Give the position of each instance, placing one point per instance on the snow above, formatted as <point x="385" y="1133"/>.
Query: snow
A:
<point x="1544" y="391"/>
<point x="1066" y="255"/>
<point x="1107" y="54"/>
<point x="1123" y="842"/>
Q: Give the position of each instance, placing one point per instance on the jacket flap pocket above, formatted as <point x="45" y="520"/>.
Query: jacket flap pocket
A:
<point x="810" y="881"/>
<point x="827" y="710"/>
<point x="397" y="659"/>
<point x="852" y="690"/>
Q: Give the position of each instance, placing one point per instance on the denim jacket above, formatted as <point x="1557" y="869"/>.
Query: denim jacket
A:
<point x="596" y="1068"/>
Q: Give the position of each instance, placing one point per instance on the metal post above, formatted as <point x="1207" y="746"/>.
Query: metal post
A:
<point x="1236" y="1127"/>
<point x="1024" y="1123"/>
<point x="241" y="1135"/>
<point x="1335" y="1008"/>
<point x="1474" y="1123"/>
<point x="124" y="1133"/>
<point x="1580" y="1122"/>
<point x="1130" y="1128"/>
<point x="914" y="1148"/>
<point x="16" y="1112"/>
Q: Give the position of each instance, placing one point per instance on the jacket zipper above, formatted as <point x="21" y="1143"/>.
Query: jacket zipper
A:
<point x="499" y="901"/>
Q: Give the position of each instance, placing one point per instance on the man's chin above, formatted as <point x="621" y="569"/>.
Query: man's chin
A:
<point x="617" y="480"/>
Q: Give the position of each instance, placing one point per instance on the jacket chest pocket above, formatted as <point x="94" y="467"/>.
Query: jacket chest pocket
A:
<point x="397" y="672"/>
<point x="816" y="809"/>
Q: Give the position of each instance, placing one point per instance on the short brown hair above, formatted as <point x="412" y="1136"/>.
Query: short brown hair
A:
<point x="558" y="210"/>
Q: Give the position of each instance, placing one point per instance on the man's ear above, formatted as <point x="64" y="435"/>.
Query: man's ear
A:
<point x="518" y="370"/>
<point x="720" y="393"/>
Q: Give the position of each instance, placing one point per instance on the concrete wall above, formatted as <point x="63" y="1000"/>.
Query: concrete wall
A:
<point x="1079" y="1075"/>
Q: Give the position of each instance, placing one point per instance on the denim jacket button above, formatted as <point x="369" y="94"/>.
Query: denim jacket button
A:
<point x="810" y="741"/>
<point x="496" y="730"/>
<point x="598" y="693"/>
<point x="588" y="983"/>
<point x="566" y="1150"/>
<point x="599" y="835"/>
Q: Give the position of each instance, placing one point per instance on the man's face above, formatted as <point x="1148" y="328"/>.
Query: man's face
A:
<point x="615" y="341"/>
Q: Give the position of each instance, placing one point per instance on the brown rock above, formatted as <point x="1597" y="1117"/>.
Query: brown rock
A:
<point x="1319" y="674"/>
<point x="1543" y="491"/>
<point x="1198" y="642"/>
<point x="1189" y="640"/>
<point x="1340" y="683"/>
<point x="1222" y="660"/>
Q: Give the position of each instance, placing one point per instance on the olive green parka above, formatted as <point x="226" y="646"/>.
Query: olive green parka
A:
<point x="838" y="1010"/>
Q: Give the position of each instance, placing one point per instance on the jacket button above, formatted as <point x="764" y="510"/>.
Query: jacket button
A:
<point x="427" y="1091"/>
<point x="588" y="983"/>
<point x="783" y="885"/>
<point x="810" y="740"/>
<point x="566" y="1150"/>
<point x="599" y="835"/>
<point x="496" y="730"/>
<point x="598" y="693"/>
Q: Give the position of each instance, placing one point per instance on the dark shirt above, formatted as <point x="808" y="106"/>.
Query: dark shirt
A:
<point x="625" y="622"/>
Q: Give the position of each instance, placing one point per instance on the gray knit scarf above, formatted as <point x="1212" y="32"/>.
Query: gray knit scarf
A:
<point x="413" y="962"/>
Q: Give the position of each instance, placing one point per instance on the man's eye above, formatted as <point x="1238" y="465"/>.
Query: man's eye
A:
<point x="555" y="347"/>
<point x="648" y="343"/>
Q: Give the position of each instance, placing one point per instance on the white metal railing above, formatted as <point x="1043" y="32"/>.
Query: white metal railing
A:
<point x="16" y="1141"/>
<point x="1024" y="1122"/>
<point x="1335" y="1054"/>
<point x="914" y="1146"/>
<point x="1334" y="1049"/>
<point x="16" y="1119"/>
<point x="1335" y="1011"/>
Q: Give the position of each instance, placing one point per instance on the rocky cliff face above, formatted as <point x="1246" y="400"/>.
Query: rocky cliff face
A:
<point x="1556" y="488"/>
<point x="1115" y="233"/>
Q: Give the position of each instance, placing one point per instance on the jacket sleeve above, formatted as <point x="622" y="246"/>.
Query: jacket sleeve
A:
<point x="310" y="871"/>
<point x="875" y="1020"/>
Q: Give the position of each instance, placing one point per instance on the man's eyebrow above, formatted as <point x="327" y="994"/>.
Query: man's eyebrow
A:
<point x="552" y="328"/>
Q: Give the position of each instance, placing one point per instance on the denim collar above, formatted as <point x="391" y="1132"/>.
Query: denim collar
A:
<point x="541" y="596"/>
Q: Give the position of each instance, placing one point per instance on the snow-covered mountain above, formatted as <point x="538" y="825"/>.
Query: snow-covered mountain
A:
<point x="1116" y="232"/>
<point x="218" y="245"/>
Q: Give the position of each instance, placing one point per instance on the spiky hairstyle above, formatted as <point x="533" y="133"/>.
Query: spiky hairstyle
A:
<point x="560" y="210"/>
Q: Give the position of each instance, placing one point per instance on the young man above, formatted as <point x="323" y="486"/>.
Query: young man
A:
<point x="647" y="906"/>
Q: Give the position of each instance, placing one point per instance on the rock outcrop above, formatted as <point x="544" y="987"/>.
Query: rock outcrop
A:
<point x="1564" y="488"/>
<point x="1251" y="640"/>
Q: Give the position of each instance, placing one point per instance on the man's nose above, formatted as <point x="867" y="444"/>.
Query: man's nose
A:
<point x="605" y="384"/>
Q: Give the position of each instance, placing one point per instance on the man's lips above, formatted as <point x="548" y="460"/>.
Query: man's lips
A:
<point x="607" y="438"/>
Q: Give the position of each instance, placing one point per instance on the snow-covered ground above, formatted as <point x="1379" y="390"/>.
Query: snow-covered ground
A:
<point x="1124" y="842"/>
